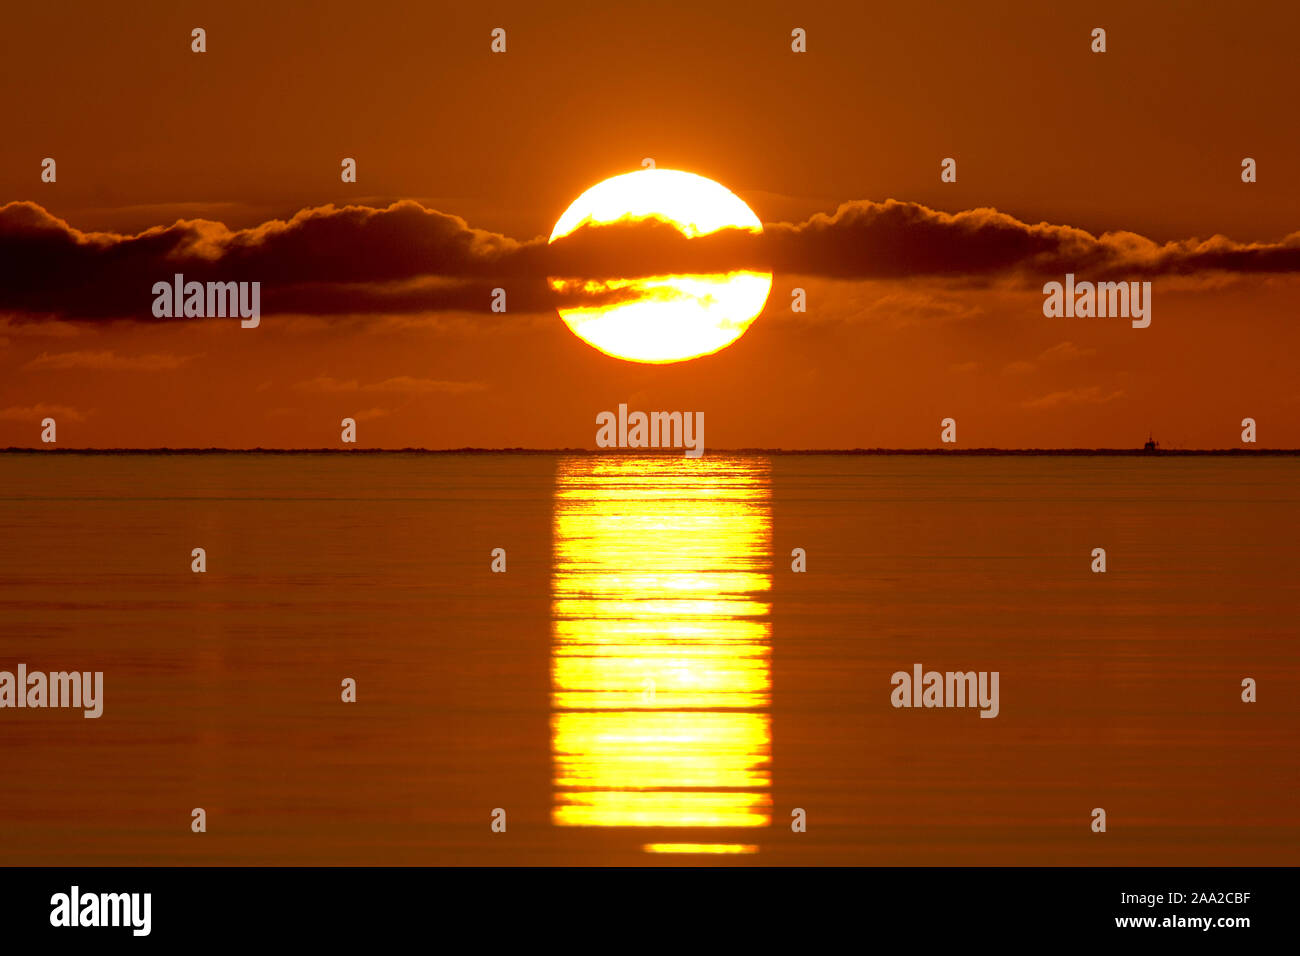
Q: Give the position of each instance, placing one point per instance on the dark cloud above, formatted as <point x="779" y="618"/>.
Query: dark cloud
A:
<point x="325" y="260"/>
<point x="409" y="259"/>
<point x="896" y="239"/>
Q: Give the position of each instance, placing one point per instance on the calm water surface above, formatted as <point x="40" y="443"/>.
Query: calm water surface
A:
<point x="649" y="681"/>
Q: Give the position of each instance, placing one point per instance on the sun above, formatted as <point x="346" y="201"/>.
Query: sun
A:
<point x="666" y="318"/>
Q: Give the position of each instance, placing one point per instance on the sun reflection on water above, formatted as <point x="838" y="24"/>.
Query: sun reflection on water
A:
<point x="660" y="673"/>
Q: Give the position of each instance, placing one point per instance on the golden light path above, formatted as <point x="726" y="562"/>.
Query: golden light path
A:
<point x="660" y="669"/>
<point x="664" y="318"/>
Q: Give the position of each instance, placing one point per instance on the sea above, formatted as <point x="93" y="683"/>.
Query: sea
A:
<point x="580" y="659"/>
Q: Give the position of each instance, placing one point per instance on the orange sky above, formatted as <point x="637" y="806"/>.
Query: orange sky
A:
<point x="1146" y="138"/>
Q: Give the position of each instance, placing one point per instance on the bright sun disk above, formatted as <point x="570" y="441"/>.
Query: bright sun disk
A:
<point x="666" y="318"/>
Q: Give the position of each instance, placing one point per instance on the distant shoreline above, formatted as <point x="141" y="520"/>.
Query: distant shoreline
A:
<point x="676" y="453"/>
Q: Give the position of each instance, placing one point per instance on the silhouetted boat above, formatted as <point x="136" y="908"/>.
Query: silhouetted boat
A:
<point x="1152" y="444"/>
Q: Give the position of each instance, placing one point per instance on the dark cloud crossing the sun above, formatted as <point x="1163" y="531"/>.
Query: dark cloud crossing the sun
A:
<point x="406" y="258"/>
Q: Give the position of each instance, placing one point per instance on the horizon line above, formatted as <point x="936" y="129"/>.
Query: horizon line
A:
<point x="639" y="452"/>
